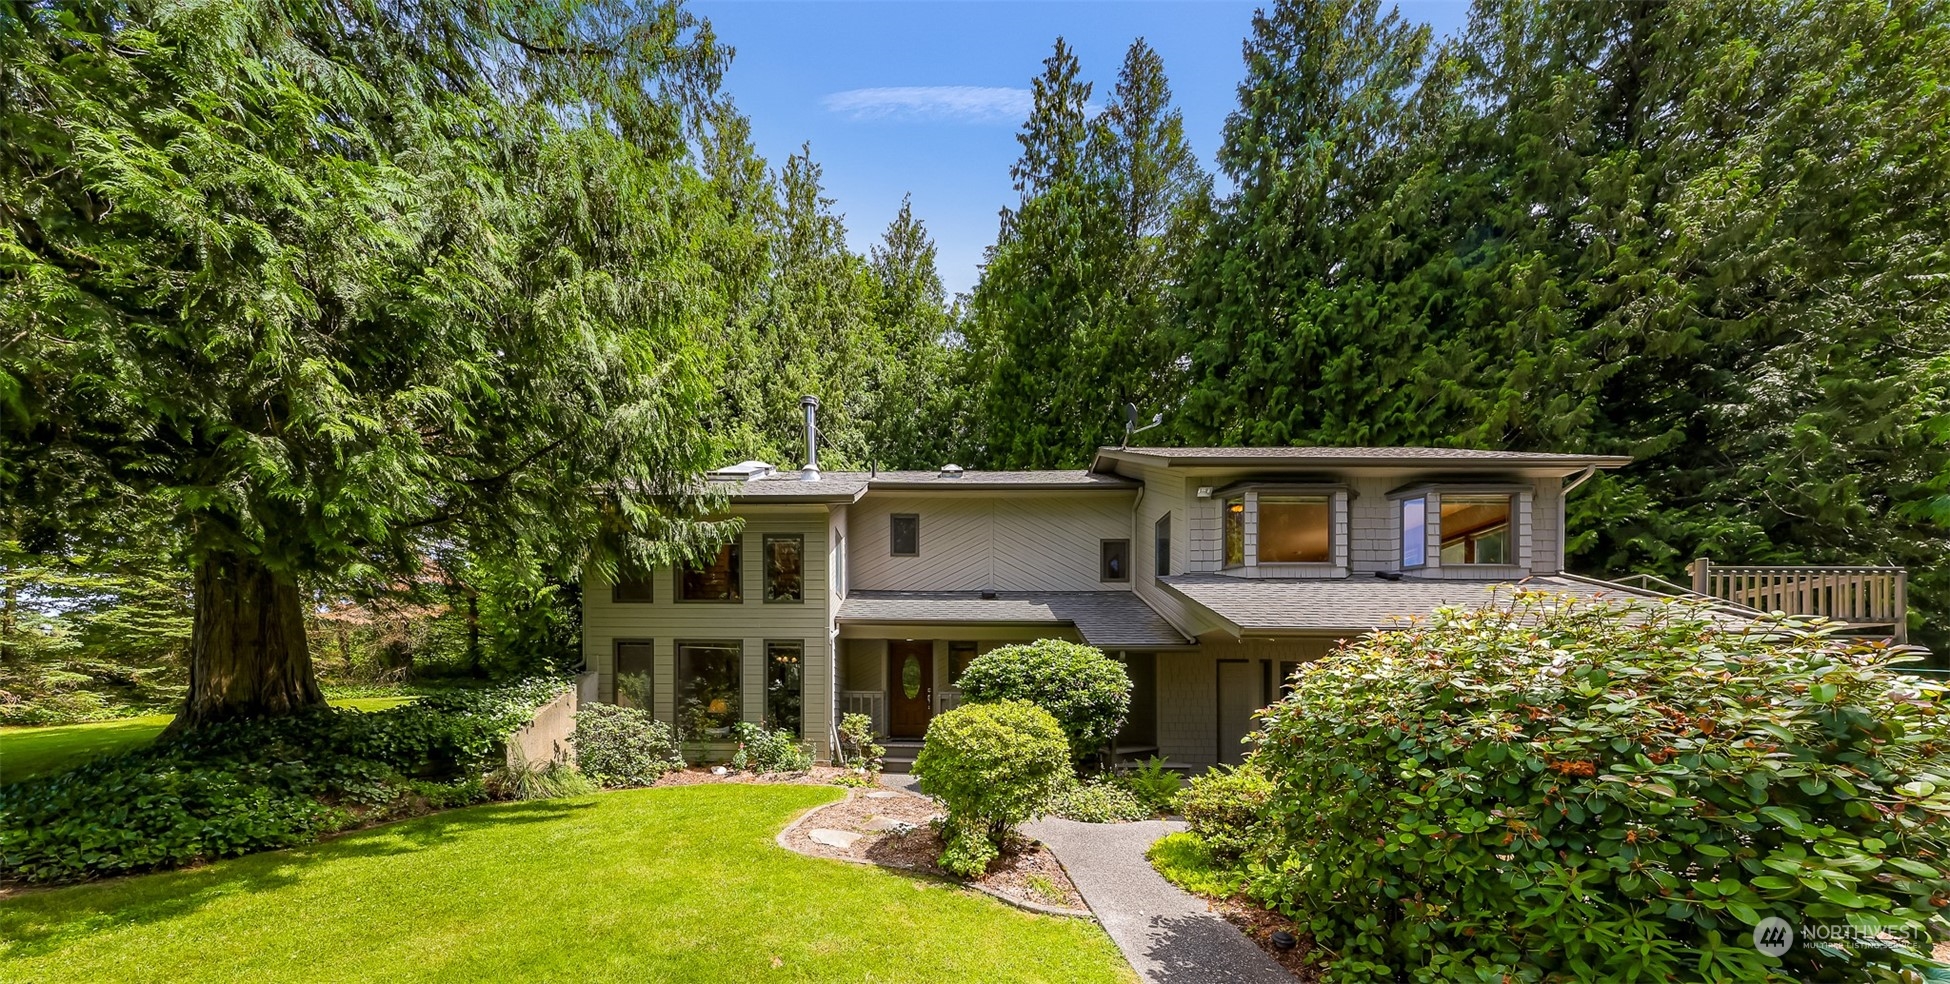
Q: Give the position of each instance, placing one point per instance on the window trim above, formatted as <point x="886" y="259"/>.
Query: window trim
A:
<point x="765" y="573"/>
<point x="894" y="518"/>
<point x="800" y="731"/>
<point x="737" y="547"/>
<point x="1104" y="547"/>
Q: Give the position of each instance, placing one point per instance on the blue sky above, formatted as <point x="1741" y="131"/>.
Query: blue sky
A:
<point x="925" y="98"/>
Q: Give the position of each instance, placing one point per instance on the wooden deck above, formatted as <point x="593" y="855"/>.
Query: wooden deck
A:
<point x="1868" y="600"/>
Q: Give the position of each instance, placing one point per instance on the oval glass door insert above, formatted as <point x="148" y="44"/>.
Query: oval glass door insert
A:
<point x="911" y="677"/>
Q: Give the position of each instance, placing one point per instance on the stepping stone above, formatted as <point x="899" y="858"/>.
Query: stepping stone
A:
<point x="842" y="839"/>
<point x="882" y="795"/>
<point x="878" y="823"/>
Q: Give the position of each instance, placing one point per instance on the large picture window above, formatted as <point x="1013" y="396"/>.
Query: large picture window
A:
<point x="1475" y="529"/>
<point x="784" y="568"/>
<point x="1415" y="532"/>
<point x="633" y="666"/>
<point x="784" y="683"/>
<point x="1235" y="531"/>
<point x="707" y="690"/>
<point x="1295" y="529"/>
<point x="716" y="581"/>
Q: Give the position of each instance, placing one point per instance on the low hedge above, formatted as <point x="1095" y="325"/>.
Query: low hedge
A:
<point x="1551" y="790"/>
<point x="244" y="786"/>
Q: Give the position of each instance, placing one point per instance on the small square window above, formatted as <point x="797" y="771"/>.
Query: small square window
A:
<point x="1114" y="560"/>
<point x="904" y="535"/>
<point x="632" y="591"/>
<point x="960" y="654"/>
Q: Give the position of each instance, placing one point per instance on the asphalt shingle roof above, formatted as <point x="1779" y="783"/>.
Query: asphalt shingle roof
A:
<point x="1106" y="619"/>
<point x="1362" y="456"/>
<point x="1355" y="604"/>
<point x="846" y="486"/>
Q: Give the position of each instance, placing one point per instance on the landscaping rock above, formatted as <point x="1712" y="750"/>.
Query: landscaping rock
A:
<point x="842" y="839"/>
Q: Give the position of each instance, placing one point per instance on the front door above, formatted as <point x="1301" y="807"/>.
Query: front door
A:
<point x="910" y="688"/>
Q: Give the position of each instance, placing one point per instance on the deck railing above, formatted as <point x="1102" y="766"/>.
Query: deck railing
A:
<point x="1866" y="599"/>
<point x="872" y="703"/>
<point x="947" y="699"/>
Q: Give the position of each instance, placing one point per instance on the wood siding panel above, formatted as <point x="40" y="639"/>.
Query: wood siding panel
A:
<point x="974" y="542"/>
<point x="751" y="623"/>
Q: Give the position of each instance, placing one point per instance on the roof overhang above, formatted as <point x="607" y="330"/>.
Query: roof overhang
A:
<point x="1105" y="619"/>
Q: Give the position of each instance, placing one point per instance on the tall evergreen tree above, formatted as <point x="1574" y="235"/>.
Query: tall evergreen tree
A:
<point x="312" y="285"/>
<point x="921" y="410"/>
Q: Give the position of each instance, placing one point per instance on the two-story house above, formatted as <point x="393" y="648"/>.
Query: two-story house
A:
<point x="1209" y="572"/>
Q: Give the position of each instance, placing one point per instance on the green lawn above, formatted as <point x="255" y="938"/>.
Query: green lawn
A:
<point x="676" y="884"/>
<point x="28" y="752"/>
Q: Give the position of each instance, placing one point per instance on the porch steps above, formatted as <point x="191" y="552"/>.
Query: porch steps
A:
<point x="899" y="759"/>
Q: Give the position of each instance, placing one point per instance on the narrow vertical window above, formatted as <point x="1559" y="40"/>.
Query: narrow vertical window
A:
<point x="960" y="654"/>
<point x="904" y="535"/>
<point x="1235" y="531"/>
<point x="1114" y="560"/>
<point x="784" y="568"/>
<point x="633" y="663"/>
<point x="1161" y="545"/>
<point x="839" y="562"/>
<point x="707" y="690"/>
<point x="785" y="674"/>
<point x="1415" y="532"/>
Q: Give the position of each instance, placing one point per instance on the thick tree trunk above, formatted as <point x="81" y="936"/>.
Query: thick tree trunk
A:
<point x="248" y="656"/>
<point x="9" y="621"/>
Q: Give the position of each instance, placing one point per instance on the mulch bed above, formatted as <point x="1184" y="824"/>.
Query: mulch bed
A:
<point x="1259" y="924"/>
<point x="1026" y="871"/>
<point x="818" y="775"/>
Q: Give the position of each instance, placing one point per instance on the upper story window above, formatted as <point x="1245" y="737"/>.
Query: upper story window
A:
<point x="904" y="535"/>
<point x="1415" y="532"/>
<point x="1476" y="529"/>
<point x="1114" y="560"/>
<point x="717" y="580"/>
<point x="1296" y="529"/>
<point x="784" y="567"/>
<point x="1161" y="545"/>
<point x="632" y="591"/>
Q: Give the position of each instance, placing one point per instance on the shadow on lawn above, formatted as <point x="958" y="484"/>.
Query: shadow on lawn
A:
<point x="37" y="922"/>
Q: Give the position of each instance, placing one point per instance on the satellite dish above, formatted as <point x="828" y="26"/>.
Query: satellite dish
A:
<point x="1130" y="423"/>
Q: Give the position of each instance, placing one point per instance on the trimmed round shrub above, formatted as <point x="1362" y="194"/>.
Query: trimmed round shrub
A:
<point x="1087" y="692"/>
<point x="1227" y="809"/>
<point x="624" y="746"/>
<point x="992" y="766"/>
<point x="1554" y="790"/>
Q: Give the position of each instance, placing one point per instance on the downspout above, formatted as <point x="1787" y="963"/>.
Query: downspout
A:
<point x="1564" y="514"/>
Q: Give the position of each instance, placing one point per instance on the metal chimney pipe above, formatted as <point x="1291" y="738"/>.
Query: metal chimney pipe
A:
<point x="810" y="473"/>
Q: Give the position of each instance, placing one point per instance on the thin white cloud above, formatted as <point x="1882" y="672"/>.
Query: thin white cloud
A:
<point x="950" y="103"/>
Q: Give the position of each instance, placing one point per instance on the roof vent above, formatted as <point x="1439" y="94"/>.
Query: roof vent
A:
<point x="950" y="471"/>
<point x="744" y="471"/>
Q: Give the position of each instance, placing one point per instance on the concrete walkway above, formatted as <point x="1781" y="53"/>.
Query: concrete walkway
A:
<point x="1168" y="934"/>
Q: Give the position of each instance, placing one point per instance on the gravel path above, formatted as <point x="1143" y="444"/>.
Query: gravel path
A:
<point x="1168" y="934"/>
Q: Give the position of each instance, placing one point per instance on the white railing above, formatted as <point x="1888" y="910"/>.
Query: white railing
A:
<point x="1866" y="598"/>
<point x="947" y="699"/>
<point x="872" y="703"/>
